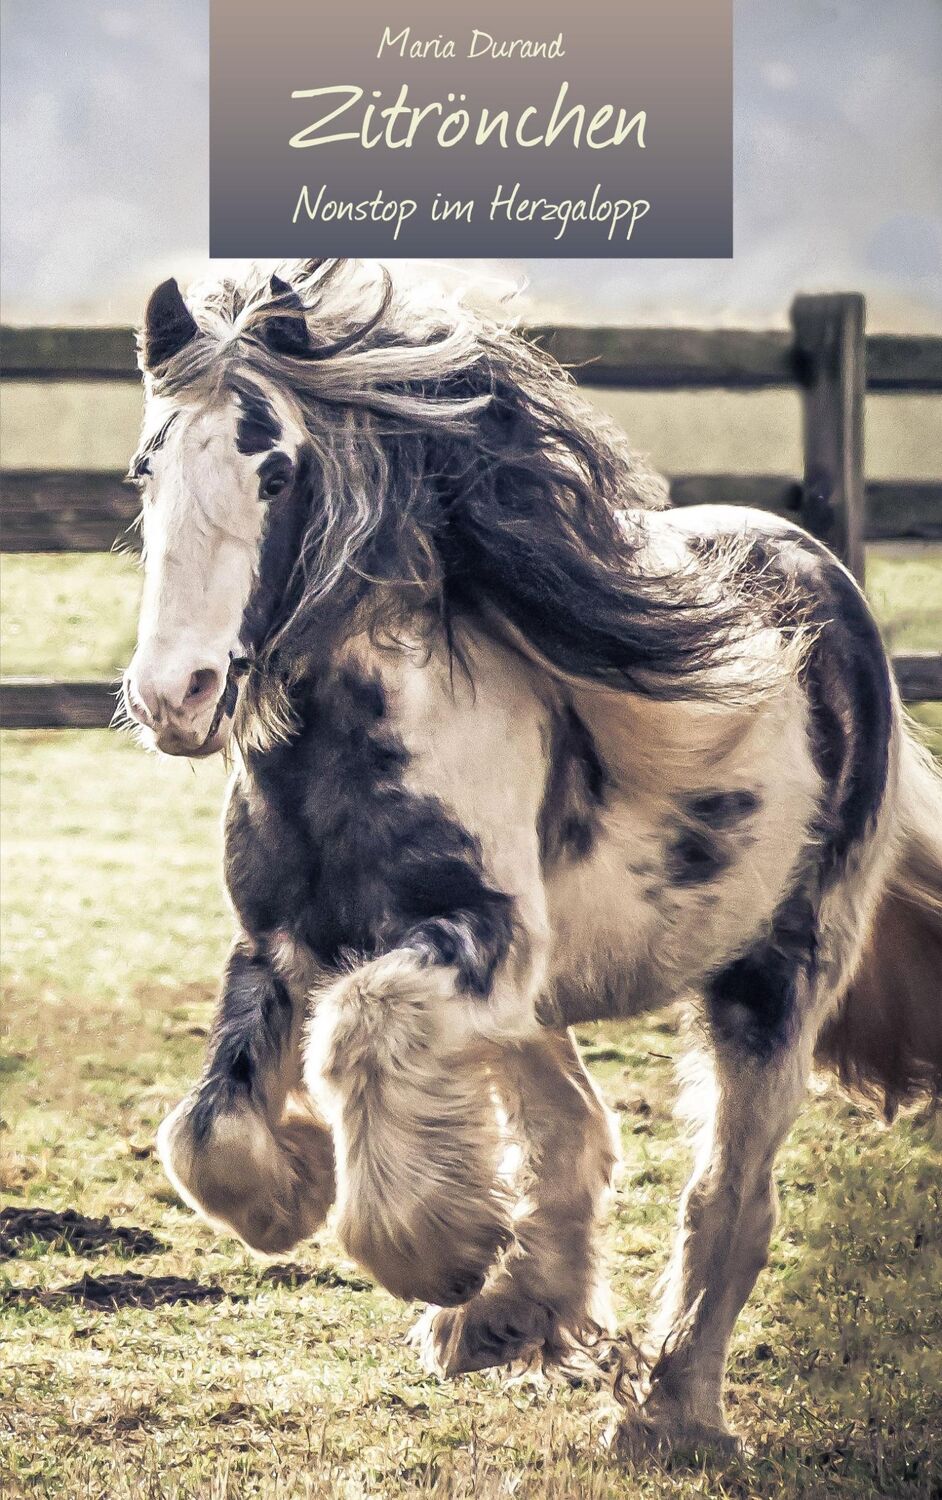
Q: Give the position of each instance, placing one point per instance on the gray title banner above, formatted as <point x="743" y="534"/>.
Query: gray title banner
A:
<point x="531" y="129"/>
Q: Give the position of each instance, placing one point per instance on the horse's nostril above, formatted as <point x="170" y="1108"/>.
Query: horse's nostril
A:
<point x="203" y="684"/>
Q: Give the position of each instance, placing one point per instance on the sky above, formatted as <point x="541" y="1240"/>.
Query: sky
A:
<point x="838" y="163"/>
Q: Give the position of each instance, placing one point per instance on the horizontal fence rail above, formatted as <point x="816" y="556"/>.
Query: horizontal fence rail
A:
<point x="827" y="356"/>
<point x="633" y="358"/>
<point x="40" y="703"/>
<point x="66" y="510"/>
<point x="918" y="675"/>
<point x="70" y="510"/>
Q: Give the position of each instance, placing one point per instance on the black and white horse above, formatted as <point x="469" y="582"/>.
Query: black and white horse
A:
<point x="515" y="747"/>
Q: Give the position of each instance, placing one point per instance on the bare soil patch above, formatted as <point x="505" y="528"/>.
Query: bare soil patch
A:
<point x="127" y="1289"/>
<point x="288" y="1274"/>
<point x="70" y="1230"/>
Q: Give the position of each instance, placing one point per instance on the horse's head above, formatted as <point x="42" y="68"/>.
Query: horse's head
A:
<point x="224" y="470"/>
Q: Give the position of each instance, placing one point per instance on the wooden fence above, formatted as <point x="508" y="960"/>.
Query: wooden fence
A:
<point x="828" y="356"/>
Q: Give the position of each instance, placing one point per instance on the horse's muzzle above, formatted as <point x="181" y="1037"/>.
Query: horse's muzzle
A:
<point x="194" y="720"/>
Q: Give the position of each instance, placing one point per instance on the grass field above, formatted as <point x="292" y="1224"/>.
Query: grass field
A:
<point x="114" y="931"/>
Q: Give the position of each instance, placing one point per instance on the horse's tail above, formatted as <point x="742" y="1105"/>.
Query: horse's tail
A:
<point x="885" y="1040"/>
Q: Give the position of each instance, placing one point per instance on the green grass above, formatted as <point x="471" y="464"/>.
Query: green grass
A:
<point x="68" y="616"/>
<point x="114" y="931"/>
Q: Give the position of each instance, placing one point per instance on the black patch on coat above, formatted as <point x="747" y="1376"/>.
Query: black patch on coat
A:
<point x="846" y="676"/>
<point x="258" y="428"/>
<point x="847" y="679"/>
<point x="751" y="1002"/>
<point x="332" y="847"/>
<point x="273" y="595"/>
<point x="252" y="1027"/>
<point x="285" y="329"/>
<point x="576" y="791"/>
<point x="695" y="857"/>
<point x="702" y="849"/>
<point x="722" y="810"/>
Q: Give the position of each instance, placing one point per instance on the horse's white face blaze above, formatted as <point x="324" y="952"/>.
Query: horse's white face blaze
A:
<point x="204" y="518"/>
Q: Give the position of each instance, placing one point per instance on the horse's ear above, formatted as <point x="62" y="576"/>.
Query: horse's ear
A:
<point x="168" y="325"/>
<point x="285" y="330"/>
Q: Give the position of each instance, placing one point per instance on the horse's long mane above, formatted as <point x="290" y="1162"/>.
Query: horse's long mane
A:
<point x="461" y="470"/>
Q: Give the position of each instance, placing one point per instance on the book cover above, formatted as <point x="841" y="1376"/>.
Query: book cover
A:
<point x="470" y="704"/>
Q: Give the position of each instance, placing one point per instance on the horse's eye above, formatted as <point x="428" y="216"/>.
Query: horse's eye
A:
<point x="274" y="485"/>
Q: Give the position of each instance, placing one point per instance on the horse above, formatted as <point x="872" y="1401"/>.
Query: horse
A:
<point x="514" y="746"/>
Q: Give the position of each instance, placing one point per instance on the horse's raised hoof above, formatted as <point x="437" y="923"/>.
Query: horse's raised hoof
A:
<point x="270" y="1187"/>
<point x="423" y="1266"/>
<point x="495" y="1328"/>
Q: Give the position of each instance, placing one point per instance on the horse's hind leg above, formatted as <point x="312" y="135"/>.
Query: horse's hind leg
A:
<point x="727" y="1215"/>
<point x="549" y="1291"/>
<point x="764" y="1012"/>
<point x="246" y="1148"/>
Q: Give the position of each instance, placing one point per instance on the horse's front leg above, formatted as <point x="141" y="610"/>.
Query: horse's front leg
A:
<point x="405" y="1048"/>
<point x="401" y="1055"/>
<point x="549" y="1294"/>
<point x="246" y="1148"/>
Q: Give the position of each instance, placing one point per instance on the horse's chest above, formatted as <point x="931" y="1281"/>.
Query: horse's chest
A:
<point x="329" y="840"/>
<point x="275" y="874"/>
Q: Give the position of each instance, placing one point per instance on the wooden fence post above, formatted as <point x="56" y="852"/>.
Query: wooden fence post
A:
<point x="831" y="362"/>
